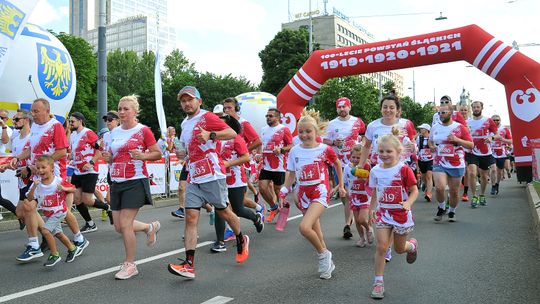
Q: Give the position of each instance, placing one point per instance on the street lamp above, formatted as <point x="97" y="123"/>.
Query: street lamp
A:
<point x="413" y="87"/>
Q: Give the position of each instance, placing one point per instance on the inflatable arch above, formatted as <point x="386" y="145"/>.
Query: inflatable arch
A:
<point x="518" y="73"/>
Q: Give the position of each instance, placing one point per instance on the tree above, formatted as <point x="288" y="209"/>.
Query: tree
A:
<point x="85" y="63"/>
<point x="282" y="58"/>
<point x="416" y="112"/>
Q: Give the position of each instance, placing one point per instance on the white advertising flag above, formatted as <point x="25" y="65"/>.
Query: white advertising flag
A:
<point x="159" y="98"/>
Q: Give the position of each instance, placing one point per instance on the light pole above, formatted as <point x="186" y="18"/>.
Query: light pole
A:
<point x="310" y="30"/>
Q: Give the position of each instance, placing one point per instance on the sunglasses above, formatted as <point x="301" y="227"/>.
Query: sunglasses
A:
<point x="445" y="101"/>
<point x="16" y="119"/>
<point x="496" y="120"/>
<point x="4" y="117"/>
<point x="444" y="112"/>
<point x="270" y="116"/>
<point x="109" y="119"/>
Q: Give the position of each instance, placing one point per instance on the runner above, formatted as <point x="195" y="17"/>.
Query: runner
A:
<point x="201" y="132"/>
<point x="448" y="141"/>
<point x="425" y="160"/>
<point x="465" y="111"/>
<point x="307" y="166"/>
<point x="456" y="115"/>
<point x="395" y="191"/>
<point x="342" y="135"/>
<point x="499" y="148"/>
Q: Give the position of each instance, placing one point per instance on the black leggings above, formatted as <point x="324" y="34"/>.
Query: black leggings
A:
<point x="7" y="204"/>
<point x="236" y="197"/>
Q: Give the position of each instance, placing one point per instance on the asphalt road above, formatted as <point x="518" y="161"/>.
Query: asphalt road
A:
<point x="490" y="255"/>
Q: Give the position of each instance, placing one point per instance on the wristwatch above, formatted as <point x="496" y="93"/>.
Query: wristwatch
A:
<point x="213" y="135"/>
<point x="91" y="162"/>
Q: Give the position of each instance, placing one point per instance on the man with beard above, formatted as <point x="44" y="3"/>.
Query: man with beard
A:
<point x="499" y="148"/>
<point x="456" y="115"/>
<point x="343" y="132"/>
<point x="447" y="140"/>
<point x="276" y="142"/>
<point x="479" y="159"/>
<point x="84" y="156"/>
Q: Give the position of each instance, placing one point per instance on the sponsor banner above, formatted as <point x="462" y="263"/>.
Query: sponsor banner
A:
<point x="101" y="184"/>
<point x="9" y="182"/>
<point x="157" y="172"/>
<point x="175" y="168"/>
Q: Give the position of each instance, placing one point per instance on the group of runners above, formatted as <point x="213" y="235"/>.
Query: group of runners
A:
<point x="372" y="169"/>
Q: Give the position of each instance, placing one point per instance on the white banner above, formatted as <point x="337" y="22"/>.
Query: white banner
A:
<point x="9" y="183"/>
<point x="101" y="184"/>
<point x="159" y="98"/>
<point x="175" y="168"/>
<point x="13" y="17"/>
<point x="157" y="173"/>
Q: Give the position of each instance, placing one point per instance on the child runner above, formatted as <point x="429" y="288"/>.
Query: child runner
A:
<point x="358" y="197"/>
<point x="308" y="166"/>
<point x="391" y="206"/>
<point x="50" y="194"/>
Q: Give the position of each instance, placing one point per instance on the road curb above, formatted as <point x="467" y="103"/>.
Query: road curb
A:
<point x="8" y="225"/>
<point x="534" y="202"/>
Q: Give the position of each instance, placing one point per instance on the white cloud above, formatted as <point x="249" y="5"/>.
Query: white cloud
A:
<point x="45" y="13"/>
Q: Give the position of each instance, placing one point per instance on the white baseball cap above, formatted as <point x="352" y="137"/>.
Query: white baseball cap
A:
<point x="218" y="109"/>
<point x="425" y="126"/>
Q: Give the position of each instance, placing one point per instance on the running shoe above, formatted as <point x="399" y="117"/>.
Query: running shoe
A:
<point x="388" y="255"/>
<point x="87" y="228"/>
<point x="482" y="200"/>
<point x="29" y="253"/>
<point x="127" y="270"/>
<point x="492" y="190"/>
<point x="72" y="254"/>
<point x="104" y="215"/>
<point x="465" y="197"/>
<point x="378" y="290"/>
<point x="179" y="213"/>
<point x="259" y="223"/>
<point x="271" y="214"/>
<point x="326" y="265"/>
<point x="228" y="235"/>
<point x="451" y="217"/>
<point x="184" y="269"/>
<point x="83" y="244"/>
<point x="52" y="260"/>
<point x="151" y="235"/>
<point x="370" y="235"/>
<point x="243" y="255"/>
<point x="218" y="247"/>
<point x="361" y="242"/>
<point x="440" y="212"/>
<point x="428" y="197"/>
<point x="474" y="202"/>
<point x="263" y="211"/>
<point x="212" y="218"/>
<point x="411" y="256"/>
<point x="347" y="234"/>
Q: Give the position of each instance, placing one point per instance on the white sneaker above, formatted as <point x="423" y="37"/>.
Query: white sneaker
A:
<point x="127" y="270"/>
<point x="326" y="266"/>
<point x="151" y="236"/>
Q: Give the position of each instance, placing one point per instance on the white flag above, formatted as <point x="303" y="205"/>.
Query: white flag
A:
<point x="159" y="98"/>
<point x="13" y="17"/>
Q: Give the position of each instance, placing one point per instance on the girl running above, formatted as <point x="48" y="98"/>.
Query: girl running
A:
<point x="391" y="206"/>
<point x="308" y="166"/>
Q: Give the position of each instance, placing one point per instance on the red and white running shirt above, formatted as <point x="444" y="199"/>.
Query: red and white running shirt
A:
<point x="348" y="131"/>
<point x="83" y="149"/>
<point x="392" y="186"/>
<point x="500" y="149"/>
<point x="247" y="132"/>
<point x="456" y="116"/>
<point x="377" y="129"/>
<point x="310" y="165"/>
<point x="231" y="149"/>
<point x="18" y="145"/>
<point x="45" y="139"/>
<point x="480" y="130"/>
<point x="272" y="138"/>
<point x="123" y="166"/>
<point x="50" y="199"/>
<point x="204" y="164"/>
<point x="356" y="186"/>
<point x="448" y="154"/>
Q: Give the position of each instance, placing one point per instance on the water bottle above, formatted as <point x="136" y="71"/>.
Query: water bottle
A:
<point x="360" y="172"/>
<point x="283" y="215"/>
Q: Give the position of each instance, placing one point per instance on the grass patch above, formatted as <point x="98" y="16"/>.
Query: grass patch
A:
<point x="536" y="185"/>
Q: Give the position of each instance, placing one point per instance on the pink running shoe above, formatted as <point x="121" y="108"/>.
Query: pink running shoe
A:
<point x="378" y="290"/>
<point x="411" y="256"/>
<point x="151" y="236"/>
<point x="361" y="242"/>
<point x="127" y="270"/>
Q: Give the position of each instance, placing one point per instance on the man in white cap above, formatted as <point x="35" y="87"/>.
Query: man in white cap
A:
<point x="425" y="160"/>
<point x="456" y="115"/>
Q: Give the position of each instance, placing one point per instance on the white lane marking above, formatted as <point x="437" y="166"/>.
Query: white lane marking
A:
<point x="218" y="300"/>
<point x="91" y="275"/>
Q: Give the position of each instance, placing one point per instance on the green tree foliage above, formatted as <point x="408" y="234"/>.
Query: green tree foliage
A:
<point x="282" y="58"/>
<point x="416" y="112"/>
<point x="85" y="64"/>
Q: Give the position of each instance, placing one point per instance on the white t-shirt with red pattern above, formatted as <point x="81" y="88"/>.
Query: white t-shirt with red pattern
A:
<point x="480" y="130"/>
<point x="272" y="138"/>
<point x="50" y="199"/>
<point x="204" y="164"/>
<point x="45" y="139"/>
<point x="449" y="154"/>
<point x="500" y="149"/>
<point x="358" y="194"/>
<point x="18" y="145"/>
<point x="83" y="149"/>
<point x="347" y="130"/>
<point x="424" y="153"/>
<point x="392" y="185"/>
<point x="123" y="166"/>
<point x="376" y="129"/>
<point x="247" y="132"/>
<point x="311" y="164"/>
<point x="231" y="150"/>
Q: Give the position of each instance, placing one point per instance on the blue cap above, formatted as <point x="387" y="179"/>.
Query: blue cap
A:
<point x="191" y="91"/>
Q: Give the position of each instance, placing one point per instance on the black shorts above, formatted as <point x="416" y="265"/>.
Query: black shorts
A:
<point x="85" y="181"/>
<point x="184" y="173"/>
<point x="500" y="162"/>
<point x="131" y="194"/>
<point x="277" y="177"/>
<point x="23" y="191"/>
<point x="425" y="166"/>
<point x="482" y="162"/>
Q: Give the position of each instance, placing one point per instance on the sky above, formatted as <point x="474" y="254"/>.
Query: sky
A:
<point x="225" y="37"/>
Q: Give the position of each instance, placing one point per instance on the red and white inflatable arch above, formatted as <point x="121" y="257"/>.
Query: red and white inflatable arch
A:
<point x="518" y="73"/>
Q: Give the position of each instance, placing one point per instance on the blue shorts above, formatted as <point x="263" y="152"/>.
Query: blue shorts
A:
<point x="452" y="172"/>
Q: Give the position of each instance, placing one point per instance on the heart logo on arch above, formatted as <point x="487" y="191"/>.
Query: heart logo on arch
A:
<point x="525" y="105"/>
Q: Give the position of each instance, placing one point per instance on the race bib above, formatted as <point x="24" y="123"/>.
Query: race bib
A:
<point x="426" y="152"/>
<point x="447" y="150"/>
<point x="358" y="186"/>
<point x="310" y="174"/>
<point x="200" y="170"/>
<point x="269" y="148"/>
<point x="391" y="195"/>
<point x="118" y="170"/>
